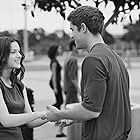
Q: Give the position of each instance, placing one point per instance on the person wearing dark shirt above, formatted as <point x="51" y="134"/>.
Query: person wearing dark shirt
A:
<point x="105" y="110"/>
<point x="55" y="80"/>
<point x="70" y="83"/>
<point x="15" y="110"/>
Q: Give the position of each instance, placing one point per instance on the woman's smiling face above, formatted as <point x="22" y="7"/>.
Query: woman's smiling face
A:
<point x="15" y="56"/>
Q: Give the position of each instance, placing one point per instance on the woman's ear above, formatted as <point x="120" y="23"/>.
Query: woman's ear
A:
<point x="83" y="27"/>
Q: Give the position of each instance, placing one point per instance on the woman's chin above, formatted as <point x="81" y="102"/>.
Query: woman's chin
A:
<point x="17" y="67"/>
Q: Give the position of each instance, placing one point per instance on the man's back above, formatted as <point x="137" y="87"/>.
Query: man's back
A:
<point x="114" y="103"/>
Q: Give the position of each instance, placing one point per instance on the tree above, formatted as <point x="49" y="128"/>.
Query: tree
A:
<point x="20" y="36"/>
<point x="59" y="5"/>
<point x="108" y="38"/>
<point x="6" y="33"/>
<point x="120" y="6"/>
<point x="133" y="34"/>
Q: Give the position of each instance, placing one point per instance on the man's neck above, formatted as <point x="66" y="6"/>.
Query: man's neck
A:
<point x="92" y="40"/>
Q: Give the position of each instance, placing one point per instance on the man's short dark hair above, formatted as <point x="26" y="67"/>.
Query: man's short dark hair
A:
<point x="92" y="17"/>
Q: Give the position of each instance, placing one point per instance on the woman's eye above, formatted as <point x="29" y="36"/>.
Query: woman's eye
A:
<point x="12" y="52"/>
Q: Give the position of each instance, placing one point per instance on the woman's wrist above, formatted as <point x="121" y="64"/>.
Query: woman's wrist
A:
<point x="44" y="117"/>
<point x="41" y="113"/>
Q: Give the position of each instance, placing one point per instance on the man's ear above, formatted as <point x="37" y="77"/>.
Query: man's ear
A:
<point x="83" y="27"/>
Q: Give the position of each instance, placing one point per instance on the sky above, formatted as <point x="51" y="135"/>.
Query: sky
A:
<point x="12" y="18"/>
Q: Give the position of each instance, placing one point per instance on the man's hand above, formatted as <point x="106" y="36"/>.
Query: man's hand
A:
<point x="64" y="123"/>
<point x="52" y="113"/>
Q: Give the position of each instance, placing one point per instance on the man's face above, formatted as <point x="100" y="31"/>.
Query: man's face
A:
<point x="78" y="36"/>
<point x="59" y="50"/>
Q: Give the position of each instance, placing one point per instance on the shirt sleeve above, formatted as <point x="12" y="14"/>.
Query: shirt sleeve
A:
<point x="94" y="75"/>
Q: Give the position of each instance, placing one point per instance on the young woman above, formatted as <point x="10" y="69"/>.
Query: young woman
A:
<point x="14" y="106"/>
<point x="55" y="80"/>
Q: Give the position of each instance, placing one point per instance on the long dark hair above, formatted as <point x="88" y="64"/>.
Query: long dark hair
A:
<point x="52" y="52"/>
<point x="5" y="45"/>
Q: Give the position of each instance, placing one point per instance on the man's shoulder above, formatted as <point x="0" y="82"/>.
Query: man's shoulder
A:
<point x="100" y="50"/>
<point x="91" y="56"/>
<point x="90" y="59"/>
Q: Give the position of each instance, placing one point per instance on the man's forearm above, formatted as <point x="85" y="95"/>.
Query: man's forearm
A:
<point x="77" y="112"/>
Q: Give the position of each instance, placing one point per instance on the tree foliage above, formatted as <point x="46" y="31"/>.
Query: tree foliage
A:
<point x="39" y="41"/>
<point x="108" y="38"/>
<point x="120" y="6"/>
<point x="133" y="35"/>
<point x="59" y="5"/>
<point x="6" y="33"/>
<point x="133" y="32"/>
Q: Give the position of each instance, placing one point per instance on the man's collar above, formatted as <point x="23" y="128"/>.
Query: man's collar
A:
<point x="94" y="46"/>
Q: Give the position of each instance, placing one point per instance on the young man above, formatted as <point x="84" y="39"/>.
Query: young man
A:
<point x="105" y="108"/>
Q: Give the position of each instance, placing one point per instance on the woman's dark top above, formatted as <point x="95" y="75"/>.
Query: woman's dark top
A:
<point x="58" y="74"/>
<point x="15" y="103"/>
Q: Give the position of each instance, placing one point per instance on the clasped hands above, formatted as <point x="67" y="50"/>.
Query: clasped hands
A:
<point x="52" y="116"/>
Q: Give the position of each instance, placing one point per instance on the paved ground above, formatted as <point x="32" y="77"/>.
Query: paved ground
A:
<point x="37" y="77"/>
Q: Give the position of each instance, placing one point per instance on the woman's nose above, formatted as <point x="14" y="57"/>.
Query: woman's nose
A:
<point x="19" y="54"/>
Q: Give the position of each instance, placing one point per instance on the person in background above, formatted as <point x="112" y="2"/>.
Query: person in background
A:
<point x="70" y="83"/>
<point x="105" y="109"/>
<point x="55" y="80"/>
<point x="15" y="110"/>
